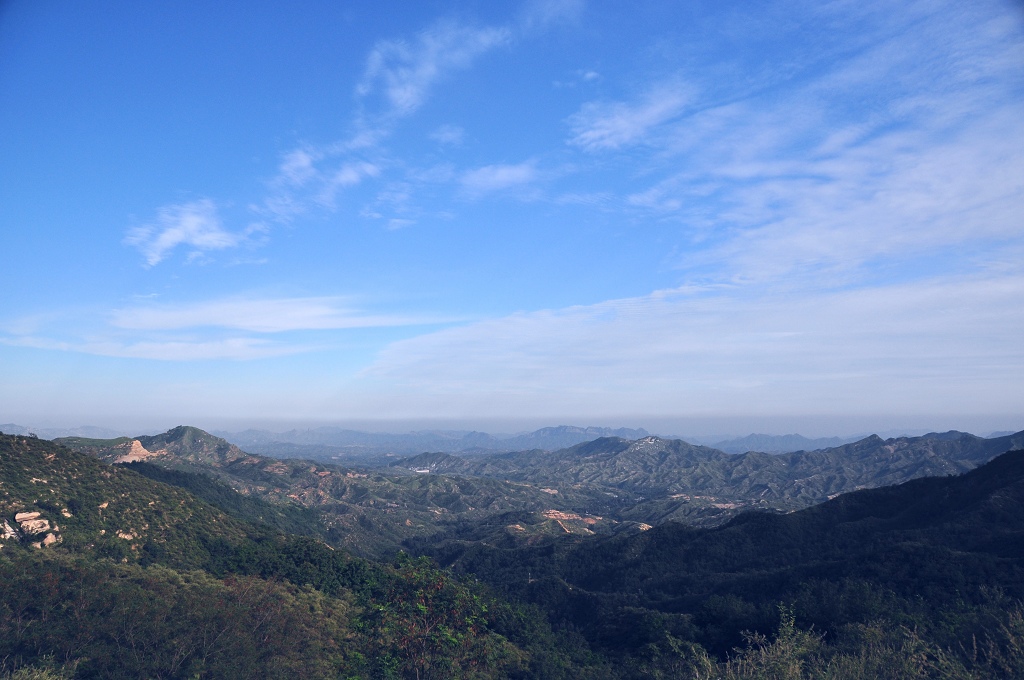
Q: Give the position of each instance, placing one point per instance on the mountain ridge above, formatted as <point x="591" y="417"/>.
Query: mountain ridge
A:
<point x="139" y="578"/>
<point x="369" y="512"/>
<point x="907" y="554"/>
<point x="607" y="485"/>
<point x="847" y="561"/>
<point x="676" y="476"/>
<point x="325" y="442"/>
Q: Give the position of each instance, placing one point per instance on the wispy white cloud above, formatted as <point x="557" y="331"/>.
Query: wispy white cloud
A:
<point x="348" y="175"/>
<point x="195" y="224"/>
<point x="890" y="153"/>
<point x="398" y="78"/>
<point x="399" y="223"/>
<point x="310" y="179"/>
<point x="498" y="177"/>
<point x="579" y="77"/>
<point x="612" y="125"/>
<point x="266" y="315"/>
<point x="298" y="166"/>
<point x="223" y="328"/>
<point x="237" y="349"/>
<point x="448" y="134"/>
<point x="539" y="15"/>
<point x="893" y="198"/>
<point x="403" y="72"/>
<point x="947" y="344"/>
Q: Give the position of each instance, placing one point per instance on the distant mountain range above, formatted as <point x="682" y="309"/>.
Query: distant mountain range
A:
<point x="356" y="446"/>
<point x="607" y="485"/>
<point x="335" y="442"/>
<point x="634" y="545"/>
<point x="784" y="443"/>
<point x="54" y="432"/>
<point x="700" y="484"/>
<point x="370" y="512"/>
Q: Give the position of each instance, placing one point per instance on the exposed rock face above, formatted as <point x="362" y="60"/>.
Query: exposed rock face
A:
<point x="35" y="526"/>
<point x="31" y="524"/>
<point x="176" y="446"/>
<point x="136" y="452"/>
<point x="192" y="445"/>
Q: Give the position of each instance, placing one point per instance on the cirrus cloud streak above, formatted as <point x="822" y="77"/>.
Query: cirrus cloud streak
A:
<point x="270" y="315"/>
<point x="940" y="345"/>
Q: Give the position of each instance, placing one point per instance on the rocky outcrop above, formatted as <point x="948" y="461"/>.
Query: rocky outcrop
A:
<point x="31" y="523"/>
<point x="50" y="539"/>
<point x="135" y="452"/>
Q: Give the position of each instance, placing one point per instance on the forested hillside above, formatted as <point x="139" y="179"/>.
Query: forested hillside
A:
<point x="143" y="579"/>
<point x="605" y="486"/>
<point x="192" y="558"/>
<point x="940" y="555"/>
<point x="659" y="479"/>
<point x="369" y="511"/>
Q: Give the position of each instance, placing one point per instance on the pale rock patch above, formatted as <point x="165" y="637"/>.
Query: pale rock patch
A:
<point x="34" y="526"/>
<point x="136" y="452"/>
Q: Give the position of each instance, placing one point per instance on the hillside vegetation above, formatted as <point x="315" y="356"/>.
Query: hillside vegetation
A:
<point x="605" y="486"/>
<point x="84" y="505"/>
<point x="369" y="511"/>
<point x="938" y="555"/>
<point x="705" y="486"/>
<point x="144" y="579"/>
<point x="218" y="554"/>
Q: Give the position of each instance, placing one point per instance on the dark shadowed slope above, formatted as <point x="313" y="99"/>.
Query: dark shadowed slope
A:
<point x="911" y="551"/>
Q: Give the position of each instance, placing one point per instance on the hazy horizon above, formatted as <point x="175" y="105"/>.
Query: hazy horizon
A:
<point x="706" y="430"/>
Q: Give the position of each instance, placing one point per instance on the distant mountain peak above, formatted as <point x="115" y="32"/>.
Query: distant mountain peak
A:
<point x="183" y="443"/>
<point x="340" y="442"/>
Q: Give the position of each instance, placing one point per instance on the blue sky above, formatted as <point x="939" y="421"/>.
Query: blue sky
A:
<point x="760" y="216"/>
